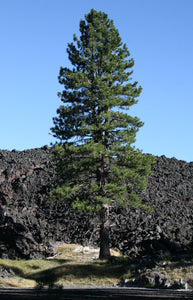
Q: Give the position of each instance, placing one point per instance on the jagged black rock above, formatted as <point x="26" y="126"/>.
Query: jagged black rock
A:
<point x="29" y="221"/>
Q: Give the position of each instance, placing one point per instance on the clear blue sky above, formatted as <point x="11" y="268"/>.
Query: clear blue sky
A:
<point x="159" y="35"/>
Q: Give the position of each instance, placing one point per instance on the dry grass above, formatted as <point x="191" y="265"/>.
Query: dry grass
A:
<point x="17" y="283"/>
<point x="71" y="267"/>
<point x="179" y="269"/>
<point x="76" y="266"/>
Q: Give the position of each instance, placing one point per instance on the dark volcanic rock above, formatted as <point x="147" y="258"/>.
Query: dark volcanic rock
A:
<point x="28" y="220"/>
<point x="22" y="192"/>
<point x="154" y="279"/>
<point x="8" y="273"/>
<point x="26" y="178"/>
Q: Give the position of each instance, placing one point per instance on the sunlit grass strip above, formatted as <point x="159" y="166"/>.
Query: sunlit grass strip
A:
<point x="70" y="268"/>
<point x="79" y="268"/>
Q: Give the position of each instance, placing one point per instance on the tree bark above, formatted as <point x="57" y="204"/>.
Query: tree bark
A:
<point x="104" y="232"/>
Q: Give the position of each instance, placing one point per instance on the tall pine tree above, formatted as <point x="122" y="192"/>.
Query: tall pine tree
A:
<point x="96" y="161"/>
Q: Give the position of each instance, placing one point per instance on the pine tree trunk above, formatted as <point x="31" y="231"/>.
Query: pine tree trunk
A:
<point x="104" y="232"/>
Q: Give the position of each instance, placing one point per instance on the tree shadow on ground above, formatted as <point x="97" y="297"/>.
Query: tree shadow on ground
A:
<point x="116" y="267"/>
<point x="78" y="271"/>
<point x="71" y="271"/>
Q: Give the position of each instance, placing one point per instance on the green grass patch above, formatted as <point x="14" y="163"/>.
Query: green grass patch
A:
<point x="82" y="267"/>
<point x="70" y="268"/>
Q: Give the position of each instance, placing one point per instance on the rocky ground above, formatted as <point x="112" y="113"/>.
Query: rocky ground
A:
<point x="29" y="221"/>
